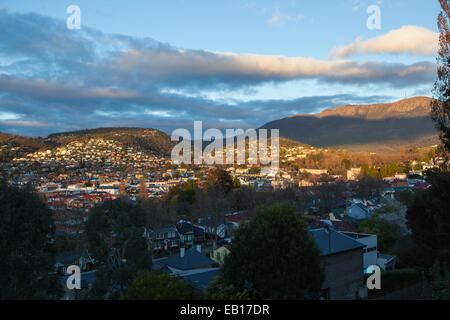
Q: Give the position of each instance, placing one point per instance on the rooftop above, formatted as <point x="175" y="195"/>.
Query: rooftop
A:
<point x="330" y="241"/>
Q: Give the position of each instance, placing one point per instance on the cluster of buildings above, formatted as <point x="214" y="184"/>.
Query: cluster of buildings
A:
<point x="109" y="152"/>
<point x="184" y="250"/>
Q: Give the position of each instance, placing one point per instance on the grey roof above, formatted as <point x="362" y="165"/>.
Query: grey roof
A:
<point x="330" y="241"/>
<point x="165" y="229"/>
<point x="201" y="280"/>
<point x="191" y="260"/>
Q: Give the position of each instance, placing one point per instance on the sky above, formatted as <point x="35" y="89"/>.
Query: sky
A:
<point x="228" y="63"/>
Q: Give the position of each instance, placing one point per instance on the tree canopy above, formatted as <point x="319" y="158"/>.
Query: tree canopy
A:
<point x="440" y="108"/>
<point x="429" y="220"/>
<point x="387" y="232"/>
<point x="26" y="250"/>
<point x="274" y="257"/>
<point x="115" y="232"/>
<point x="157" y="285"/>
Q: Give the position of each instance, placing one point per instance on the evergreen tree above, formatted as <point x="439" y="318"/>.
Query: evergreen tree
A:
<point x="26" y="249"/>
<point x="274" y="257"/>
<point x="440" y="108"/>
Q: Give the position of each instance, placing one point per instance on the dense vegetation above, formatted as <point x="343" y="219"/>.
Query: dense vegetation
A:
<point x="26" y="251"/>
<point x="264" y="263"/>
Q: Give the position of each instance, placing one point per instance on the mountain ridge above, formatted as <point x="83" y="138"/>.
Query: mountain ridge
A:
<point x="382" y="128"/>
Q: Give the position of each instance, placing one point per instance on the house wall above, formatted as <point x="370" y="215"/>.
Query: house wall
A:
<point x="220" y="254"/>
<point x="344" y="274"/>
<point x="371" y="251"/>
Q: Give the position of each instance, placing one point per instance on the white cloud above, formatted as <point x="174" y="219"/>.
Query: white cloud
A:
<point x="408" y="39"/>
<point x="152" y="65"/>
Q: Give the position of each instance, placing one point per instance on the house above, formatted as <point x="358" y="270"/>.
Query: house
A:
<point x="191" y="265"/>
<point x="187" y="260"/>
<point x="220" y="253"/>
<point x="358" y="211"/>
<point x="165" y="238"/>
<point x="343" y="261"/>
<point x="353" y="174"/>
<point x="81" y="259"/>
<point x="190" y="234"/>
<point x="370" y="242"/>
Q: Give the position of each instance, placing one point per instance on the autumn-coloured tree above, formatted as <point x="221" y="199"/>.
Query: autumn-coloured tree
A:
<point x="122" y="190"/>
<point x="440" y="108"/>
<point x="143" y="192"/>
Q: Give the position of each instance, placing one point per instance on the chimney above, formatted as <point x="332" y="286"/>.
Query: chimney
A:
<point x="199" y="248"/>
<point x="182" y="252"/>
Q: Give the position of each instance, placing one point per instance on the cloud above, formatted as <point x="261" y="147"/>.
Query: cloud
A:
<point x="53" y="79"/>
<point x="412" y="40"/>
<point x="250" y="69"/>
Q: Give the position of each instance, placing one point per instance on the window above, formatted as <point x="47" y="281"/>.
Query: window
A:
<point x="370" y="249"/>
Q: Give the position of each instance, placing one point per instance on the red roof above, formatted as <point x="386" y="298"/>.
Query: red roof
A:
<point x="421" y="185"/>
<point x="240" y="217"/>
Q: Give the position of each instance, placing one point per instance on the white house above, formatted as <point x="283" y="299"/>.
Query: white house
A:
<point x="370" y="242"/>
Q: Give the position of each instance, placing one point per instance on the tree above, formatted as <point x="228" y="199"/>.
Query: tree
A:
<point x="122" y="190"/>
<point x="255" y="170"/>
<point x="115" y="232"/>
<point x="387" y="232"/>
<point x="219" y="178"/>
<point x="429" y="220"/>
<point x="440" y="108"/>
<point x="143" y="192"/>
<point x="26" y="250"/>
<point x="182" y="197"/>
<point x="274" y="257"/>
<point x="346" y="164"/>
<point x="220" y="290"/>
<point x="157" y="285"/>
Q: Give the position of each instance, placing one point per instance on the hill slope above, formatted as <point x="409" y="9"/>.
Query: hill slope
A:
<point x="373" y="128"/>
<point x="146" y="140"/>
<point x="150" y="141"/>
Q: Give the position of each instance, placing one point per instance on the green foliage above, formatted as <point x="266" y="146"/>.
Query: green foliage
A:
<point x="275" y="242"/>
<point x="220" y="290"/>
<point x="220" y="179"/>
<point x="157" y="285"/>
<point x="387" y="232"/>
<point x="406" y="196"/>
<point x="394" y="280"/>
<point x="439" y="283"/>
<point x="115" y="232"/>
<point x="182" y="197"/>
<point x="27" y="254"/>
<point x="440" y="108"/>
<point x="429" y="220"/>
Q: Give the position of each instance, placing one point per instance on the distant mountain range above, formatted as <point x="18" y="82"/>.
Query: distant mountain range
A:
<point x="381" y="128"/>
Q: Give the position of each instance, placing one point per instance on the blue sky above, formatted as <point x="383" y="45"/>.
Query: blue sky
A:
<point x="230" y="63"/>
